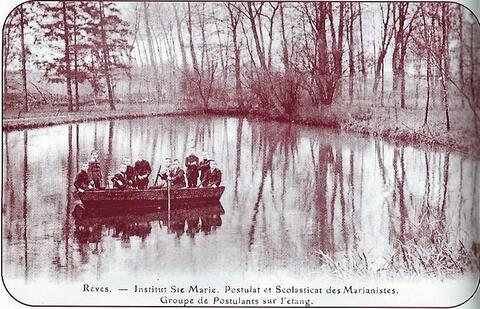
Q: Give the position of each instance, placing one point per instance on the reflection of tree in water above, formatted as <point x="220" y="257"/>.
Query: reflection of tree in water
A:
<point x="66" y="226"/>
<point x="312" y="209"/>
<point x="282" y="146"/>
<point x="424" y="246"/>
<point x="25" y="201"/>
<point x="323" y="229"/>
<point x="265" y="167"/>
<point x="238" y="160"/>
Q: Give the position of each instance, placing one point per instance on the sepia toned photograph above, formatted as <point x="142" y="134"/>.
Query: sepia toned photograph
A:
<point x="241" y="154"/>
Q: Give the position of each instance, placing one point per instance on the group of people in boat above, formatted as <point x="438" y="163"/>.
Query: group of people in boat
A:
<point x="197" y="173"/>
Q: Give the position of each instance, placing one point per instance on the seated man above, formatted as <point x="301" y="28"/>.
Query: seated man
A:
<point x="142" y="170"/>
<point x="177" y="175"/>
<point x="130" y="172"/>
<point x="213" y="176"/>
<point x="120" y="179"/>
<point x="163" y="172"/>
<point x="82" y="182"/>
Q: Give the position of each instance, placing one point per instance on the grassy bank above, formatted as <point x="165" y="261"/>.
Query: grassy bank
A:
<point x="398" y="126"/>
<point x="403" y="126"/>
<point x="17" y="120"/>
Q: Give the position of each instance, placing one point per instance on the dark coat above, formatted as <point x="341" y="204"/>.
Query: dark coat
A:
<point x="212" y="178"/>
<point x="120" y="181"/>
<point x="94" y="170"/>
<point x="142" y="167"/>
<point x="130" y="174"/>
<point x="178" y="178"/>
<point x="81" y="180"/>
<point x="164" y="174"/>
<point x="203" y="167"/>
<point x="191" y="162"/>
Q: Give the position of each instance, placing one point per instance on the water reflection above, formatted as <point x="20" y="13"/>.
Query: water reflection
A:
<point x="297" y="198"/>
<point x="92" y="228"/>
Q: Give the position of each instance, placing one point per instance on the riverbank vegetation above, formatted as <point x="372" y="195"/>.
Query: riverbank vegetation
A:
<point x="405" y="71"/>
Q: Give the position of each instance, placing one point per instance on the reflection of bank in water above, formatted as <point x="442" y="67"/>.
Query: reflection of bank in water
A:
<point x="187" y="218"/>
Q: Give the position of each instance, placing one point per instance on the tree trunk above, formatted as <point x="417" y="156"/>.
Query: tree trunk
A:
<point x="461" y="53"/>
<point x="152" y="52"/>
<point x="401" y="72"/>
<point x="6" y="49"/>
<point x="472" y="60"/>
<point x="258" y="46"/>
<point x="106" y="59"/>
<point x="323" y="74"/>
<point x="223" y="59"/>
<point x="270" y="35"/>
<point x="444" y="55"/>
<point x="234" y="15"/>
<point x="238" y="82"/>
<point x="418" y="66"/>
<point x="75" y="55"/>
<point x="192" y="47"/>
<point x="386" y="38"/>
<point x="67" y="57"/>
<point x="379" y="69"/>
<point x="351" y="63"/>
<point x="398" y="56"/>
<point x="24" y="57"/>
<point x="180" y="39"/>
<point x="337" y="47"/>
<point x="362" y="51"/>
<point x="383" y="84"/>
<point x="429" y="73"/>
<point x="285" y="59"/>
<point x="260" y="31"/>
<point x="204" y="56"/>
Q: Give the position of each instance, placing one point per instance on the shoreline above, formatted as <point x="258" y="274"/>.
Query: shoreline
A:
<point x="395" y="134"/>
<point x="392" y="133"/>
<point x="39" y="121"/>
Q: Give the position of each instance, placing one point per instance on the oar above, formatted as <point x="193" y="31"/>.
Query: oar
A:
<point x="158" y="174"/>
<point x="168" y="201"/>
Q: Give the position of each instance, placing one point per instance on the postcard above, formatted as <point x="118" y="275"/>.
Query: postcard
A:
<point x="241" y="154"/>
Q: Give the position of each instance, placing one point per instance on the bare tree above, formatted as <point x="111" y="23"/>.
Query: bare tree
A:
<point x="461" y="56"/>
<point x="151" y="50"/>
<point x="351" y="63"/>
<point x="337" y="46"/>
<point x="75" y="55"/>
<point x="253" y="12"/>
<point x="67" y="56"/>
<point x="7" y="55"/>
<point x="387" y="35"/>
<point x="362" y="51"/>
<point x="190" y="33"/>
<point x="234" y="19"/>
<point x="180" y="38"/>
<point x="106" y="58"/>
<point x="271" y="18"/>
<point x="403" y="28"/>
<point x="444" y="62"/>
<point x="285" y="57"/>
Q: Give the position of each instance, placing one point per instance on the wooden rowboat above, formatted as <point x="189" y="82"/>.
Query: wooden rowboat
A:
<point x="153" y="197"/>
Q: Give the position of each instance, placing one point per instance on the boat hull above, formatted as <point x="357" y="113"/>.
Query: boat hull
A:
<point x="156" y="198"/>
<point x="178" y="214"/>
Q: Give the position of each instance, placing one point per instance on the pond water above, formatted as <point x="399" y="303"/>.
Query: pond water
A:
<point x="298" y="199"/>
